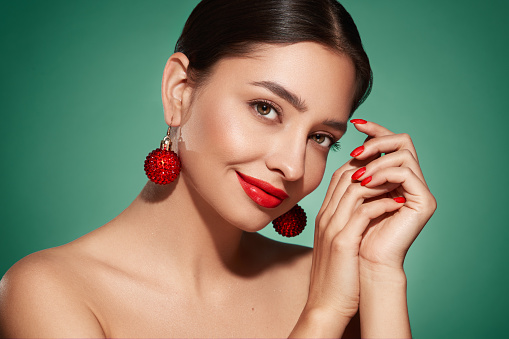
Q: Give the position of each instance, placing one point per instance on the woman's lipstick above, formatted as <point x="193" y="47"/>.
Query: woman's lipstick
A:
<point x="261" y="192"/>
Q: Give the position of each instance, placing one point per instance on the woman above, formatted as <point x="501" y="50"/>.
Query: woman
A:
<point x="257" y="94"/>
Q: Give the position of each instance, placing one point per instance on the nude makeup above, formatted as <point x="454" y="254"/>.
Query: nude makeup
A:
<point x="261" y="192"/>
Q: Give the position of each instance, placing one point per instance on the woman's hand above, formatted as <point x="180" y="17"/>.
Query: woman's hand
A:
<point x="387" y="239"/>
<point x="361" y="228"/>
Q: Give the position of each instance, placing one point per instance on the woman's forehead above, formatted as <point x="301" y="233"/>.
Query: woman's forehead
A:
<point x="314" y="74"/>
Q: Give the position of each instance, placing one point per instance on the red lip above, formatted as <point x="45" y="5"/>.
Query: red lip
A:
<point x="261" y="192"/>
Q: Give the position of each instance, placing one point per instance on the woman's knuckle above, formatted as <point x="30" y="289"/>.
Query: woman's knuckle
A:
<point x="365" y="211"/>
<point x="406" y="137"/>
<point x="347" y="175"/>
<point x="336" y="176"/>
<point x="406" y="171"/>
<point x="338" y="244"/>
<point x="351" y="190"/>
<point x="432" y="203"/>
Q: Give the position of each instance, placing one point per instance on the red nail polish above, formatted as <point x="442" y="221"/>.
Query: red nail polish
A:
<point x="366" y="181"/>
<point x="359" y="173"/>
<point x="356" y="152"/>
<point x="358" y="121"/>
<point x="400" y="200"/>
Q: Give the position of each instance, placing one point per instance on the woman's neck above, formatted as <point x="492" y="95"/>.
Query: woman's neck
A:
<point x="180" y="226"/>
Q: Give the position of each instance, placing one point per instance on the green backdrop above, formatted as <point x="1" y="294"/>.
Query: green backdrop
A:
<point x="80" y="109"/>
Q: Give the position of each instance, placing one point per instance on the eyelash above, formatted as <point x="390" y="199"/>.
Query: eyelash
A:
<point x="335" y="146"/>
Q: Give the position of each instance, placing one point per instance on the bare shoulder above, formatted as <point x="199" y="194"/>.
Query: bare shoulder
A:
<point x="40" y="297"/>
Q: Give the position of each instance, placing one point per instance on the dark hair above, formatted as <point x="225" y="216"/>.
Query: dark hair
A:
<point x="222" y="28"/>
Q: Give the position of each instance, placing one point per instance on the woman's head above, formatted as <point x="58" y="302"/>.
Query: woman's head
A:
<point x="224" y="28"/>
<point x="273" y="116"/>
<point x="266" y="104"/>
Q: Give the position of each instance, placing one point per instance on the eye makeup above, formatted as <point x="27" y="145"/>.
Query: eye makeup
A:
<point x="263" y="108"/>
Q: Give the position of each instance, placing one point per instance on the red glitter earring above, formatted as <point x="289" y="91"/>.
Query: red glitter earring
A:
<point x="291" y="223"/>
<point x="162" y="165"/>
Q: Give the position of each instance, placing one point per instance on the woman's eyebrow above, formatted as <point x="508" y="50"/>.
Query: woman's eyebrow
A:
<point x="283" y="93"/>
<point x="337" y="125"/>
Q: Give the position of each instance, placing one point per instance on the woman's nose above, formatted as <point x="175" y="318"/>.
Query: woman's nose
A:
<point x="288" y="158"/>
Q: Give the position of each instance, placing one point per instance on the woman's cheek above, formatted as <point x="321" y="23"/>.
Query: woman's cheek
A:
<point x="222" y="133"/>
<point x="234" y="137"/>
<point x="315" y="169"/>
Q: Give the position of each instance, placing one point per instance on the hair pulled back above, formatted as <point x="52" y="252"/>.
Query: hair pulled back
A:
<point x="225" y="28"/>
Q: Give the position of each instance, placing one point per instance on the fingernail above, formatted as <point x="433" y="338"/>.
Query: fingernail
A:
<point x="400" y="200"/>
<point x="359" y="173"/>
<point x="356" y="152"/>
<point x="358" y="121"/>
<point x="366" y="181"/>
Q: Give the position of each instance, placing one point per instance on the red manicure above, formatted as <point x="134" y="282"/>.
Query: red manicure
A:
<point x="356" y="152"/>
<point x="358" y="121"/>
<point x="400" y="200"/>
<point x="366" y="181"/>
<point x="359" y="173"/>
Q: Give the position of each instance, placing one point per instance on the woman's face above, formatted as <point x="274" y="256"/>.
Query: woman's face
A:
<point x="271" y="116"/>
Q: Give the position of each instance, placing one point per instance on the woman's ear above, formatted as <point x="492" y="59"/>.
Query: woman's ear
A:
<point x="172" y="89"/>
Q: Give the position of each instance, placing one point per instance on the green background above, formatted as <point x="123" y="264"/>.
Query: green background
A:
<point x="80" y="109"/>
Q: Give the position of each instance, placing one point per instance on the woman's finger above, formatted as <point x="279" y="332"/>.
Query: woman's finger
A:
<point x="402" y="158"/>
<point x="338" y="175"/>
<point x="351" y="234"/>
<point x="370" y="128"/>
<point x="417" y="195"/>
<point x="385" y="144"/>
<point x="337" y="215"/>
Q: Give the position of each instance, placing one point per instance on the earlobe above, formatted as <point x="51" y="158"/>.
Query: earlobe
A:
<point x="173" y="85"/>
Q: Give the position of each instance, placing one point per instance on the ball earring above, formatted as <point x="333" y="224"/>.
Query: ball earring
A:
<point x="291" y="223"/>
<point x="162" y="165"/>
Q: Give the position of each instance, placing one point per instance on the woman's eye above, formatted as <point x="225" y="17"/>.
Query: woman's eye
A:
<point x="263" y="109"/>
<point x="266" y="110"/>
<point x="322" y="139"/>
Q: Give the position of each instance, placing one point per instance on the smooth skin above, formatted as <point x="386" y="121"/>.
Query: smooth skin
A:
<point x="183" y="259"/>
